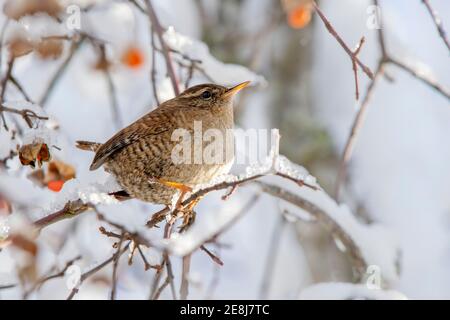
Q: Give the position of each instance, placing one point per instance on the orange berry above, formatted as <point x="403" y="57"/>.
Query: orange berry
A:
<point x="299" y="17"/>
<point x="55" y="185"/>
<point x="133" y="58"/>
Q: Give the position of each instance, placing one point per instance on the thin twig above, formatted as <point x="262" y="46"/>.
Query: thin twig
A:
<point x="421" y="76"/>
<point x="385" y="59"/>
<point x="94" y="270"/>
<point x="159" y="216"/>
<point x="26" y="114"/>
<point x="184" y="287"/>
<point x="438" y="22"/>
<point x="333" y="32"/>
<point x="355" y="69"/>
<point x="115" y="110"/>
<point x="271" y="259"/>
<point x="333" y="227"/>
<point x="19" y="87"/>
<point x="153" y="71"/>
<point x="3" y="84"/>
<point x="138" y="6"/>
<point x="115" y="266"/>
<point x="59" y="274"/>
<point x="356" y="126"/>
<point x="76" y="45"/>
<point x="155" y="292"/>
<point x="165" y="49"/>
<point x="215" y="258"/>
<point x="2" y="37"/>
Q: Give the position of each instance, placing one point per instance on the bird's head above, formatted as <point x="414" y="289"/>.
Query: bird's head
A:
<point x="210" y="95"/>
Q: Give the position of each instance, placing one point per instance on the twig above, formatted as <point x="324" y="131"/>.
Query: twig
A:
<point x="70" y="210"/>
<point x="138" y="6"/>
<point x="153" y="71"/>
<point x="422" y="77"/>
<point x="112" y="91"/>
<point x="19" y="87"/>
<point x="59" y="274"/>
<point x="165" y="49"/>
<point x="438" y="22"/>
<point x="159" y="216"/>
<point x="4" y="83"/>
<point x="357" y="124"/>
<point x="94" y="270"/>
<point x="147" y="265"/>
<point x="358" y="121"/>
<point x="2" y="37"/>
<point x="184" y="287"/>
<point x="272" y="254"/>
<point x="358" y="262"/>
<point x="155" y="292"/>
<point x="245" y="208"/>
<point x="215" y="258"/>
<point x="115" y="266"/>
<point x="355" y="69"/>
<point x="333" y="32"/>
<point x="161" y="289"/>
<point x="26" y="114"/>
<point x="76" y="45"/>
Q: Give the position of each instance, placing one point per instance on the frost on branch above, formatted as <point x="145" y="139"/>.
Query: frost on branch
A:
<point x="367" y="244"/>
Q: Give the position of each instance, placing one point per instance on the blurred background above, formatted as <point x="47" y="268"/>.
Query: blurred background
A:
<point x="93" y="80"/>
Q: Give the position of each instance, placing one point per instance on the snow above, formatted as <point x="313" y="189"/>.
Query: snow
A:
<point x="6" y="145"/>
<point x="222" y="73"/>
<point x="348" y="291"/>
<point x="399" y="171"/>
<point x="377" y="244"/>
<point x="399" y="168"/>
<point x="4" y="228"/>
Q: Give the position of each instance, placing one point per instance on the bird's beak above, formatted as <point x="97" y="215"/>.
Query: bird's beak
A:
<point x="232" y="91"/>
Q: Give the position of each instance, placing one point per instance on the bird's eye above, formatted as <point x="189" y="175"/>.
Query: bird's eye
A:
<point x="206" y="95"/>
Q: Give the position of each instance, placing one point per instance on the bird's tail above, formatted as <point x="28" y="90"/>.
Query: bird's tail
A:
<point x="88" y="146"/>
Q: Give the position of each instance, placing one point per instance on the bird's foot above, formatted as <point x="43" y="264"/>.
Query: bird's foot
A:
<point x="188" y="220"/>
<point x="184" y="189"/>
<point x="157" y="217"/>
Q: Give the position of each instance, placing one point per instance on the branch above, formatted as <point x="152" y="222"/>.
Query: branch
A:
<point x="112" y="90"/>
<point x="26" y="114"/>
<point x="59" y="274"/>
<point x="3" y="84"/>
<point x="165" y="49"/>
<point x="153" y="71"/>
<point x="76" y="45"/>
<point x="115" y="266"/>
<point x="356" y="126"/>
<point x="322" y="217"/>
<point x="160" y="215"/>
<point x="355" y="69"/>
<point x="184" y="287"/>
<point x="385" y="59"/>
<point x="272" y="257"/>
<point x="94" y="270"/>
<point x="333" y="32"/>
<point x="420" y="76"/>
<point x="19" y="87"/>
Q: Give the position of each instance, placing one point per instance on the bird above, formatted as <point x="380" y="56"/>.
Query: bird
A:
<point x="140" y="156"/>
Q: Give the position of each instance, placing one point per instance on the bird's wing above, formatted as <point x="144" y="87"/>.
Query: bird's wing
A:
<point x="153" y="123"/>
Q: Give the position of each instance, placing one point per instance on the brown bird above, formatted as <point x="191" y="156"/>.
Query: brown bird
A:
<point x="140" y="156"/>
